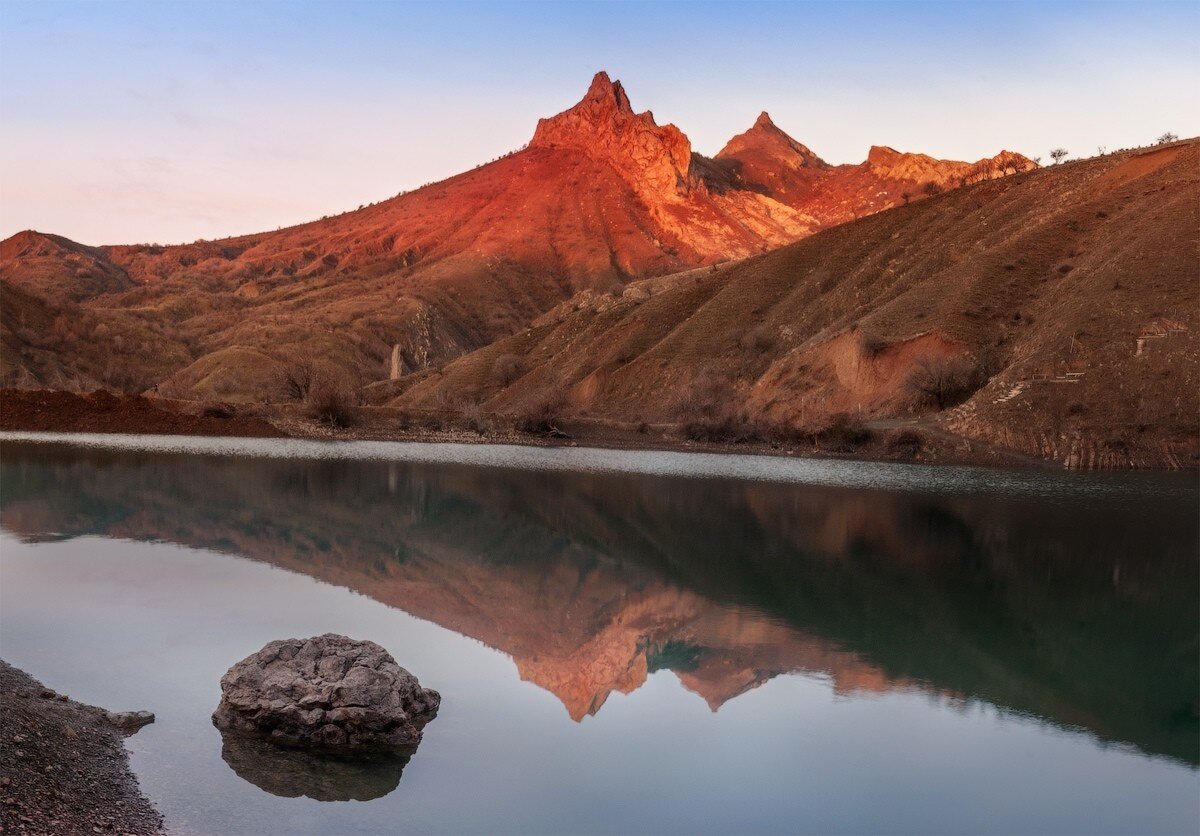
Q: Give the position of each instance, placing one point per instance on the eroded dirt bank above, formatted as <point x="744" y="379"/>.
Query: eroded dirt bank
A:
<point x="63" y="766"/>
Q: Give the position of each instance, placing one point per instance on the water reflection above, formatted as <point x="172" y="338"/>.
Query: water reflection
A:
<point x="1081" y="611"/>
<point x="291" y="773"/>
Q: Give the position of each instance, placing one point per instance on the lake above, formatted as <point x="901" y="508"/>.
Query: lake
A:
<point x="629" y="641"/>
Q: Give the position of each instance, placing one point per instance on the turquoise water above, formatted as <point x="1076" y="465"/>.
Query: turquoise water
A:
<point x="629" y="642"/>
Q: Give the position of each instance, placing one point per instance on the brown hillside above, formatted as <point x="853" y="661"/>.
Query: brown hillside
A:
<point x="601" y="196"/>
<point x="1060" y="304"/>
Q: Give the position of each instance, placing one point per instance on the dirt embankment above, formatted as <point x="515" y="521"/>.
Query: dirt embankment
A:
<point x="47" y="411"/>
<point x="63" y="766"/>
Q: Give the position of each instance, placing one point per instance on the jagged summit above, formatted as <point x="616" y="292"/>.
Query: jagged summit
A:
<point x="603" y="89"/>
<point x="603" y="124"/>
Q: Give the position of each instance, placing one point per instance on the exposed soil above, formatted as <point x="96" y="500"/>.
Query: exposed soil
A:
<point x="63" y="766"/>
<point x="104" y="412"/>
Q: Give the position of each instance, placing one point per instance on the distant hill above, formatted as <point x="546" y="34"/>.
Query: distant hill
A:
<point x="602" y="196"/>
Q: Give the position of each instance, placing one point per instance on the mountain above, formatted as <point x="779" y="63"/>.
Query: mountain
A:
<point x="600" y="197"/>
<point x="1052" y="312"/>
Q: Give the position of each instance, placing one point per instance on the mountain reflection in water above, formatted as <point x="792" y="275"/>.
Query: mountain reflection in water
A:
<point x="1079" y="610"/>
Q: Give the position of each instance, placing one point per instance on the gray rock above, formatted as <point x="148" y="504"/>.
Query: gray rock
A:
<point x="329" y="692"/>
<point x="129" y="721"/>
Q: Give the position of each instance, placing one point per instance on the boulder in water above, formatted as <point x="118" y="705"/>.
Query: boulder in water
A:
<point x="329" y="692"/>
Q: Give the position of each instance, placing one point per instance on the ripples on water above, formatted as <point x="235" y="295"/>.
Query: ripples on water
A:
<point x="937" y="631"/>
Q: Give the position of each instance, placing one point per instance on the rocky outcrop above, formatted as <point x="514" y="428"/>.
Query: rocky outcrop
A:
<point x="891" y="164"/>
<point x="329" y="692"/>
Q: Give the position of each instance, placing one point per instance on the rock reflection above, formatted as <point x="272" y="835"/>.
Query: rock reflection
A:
<point x="291" y="773"/>
<point x="1080" y="611"/>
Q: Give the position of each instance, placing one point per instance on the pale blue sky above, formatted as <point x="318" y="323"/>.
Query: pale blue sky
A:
<point x="170" y="121"/>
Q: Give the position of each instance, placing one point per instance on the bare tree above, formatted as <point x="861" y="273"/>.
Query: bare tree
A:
<point x="1058" y="154"/>
<point x="296" y="379"/>
<point x="906" y="197"/>
<point x="931" y="188"/>
<point x="1167" y="137"/>
<point x="942" y="381"/>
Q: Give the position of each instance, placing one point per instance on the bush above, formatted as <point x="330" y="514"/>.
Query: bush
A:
<point x="332" y="404"/>
<point x="296" y="379"/>
<point x="758" y="340"/>
<point x="217" y="410"/>
<point x="542" y="418"/>
<point x="943" y="382"/>
<point x="872" y="345"/>
<point x="508" y="367"/>
<point x="473" y="419"/>
<point x="844" y="433"/>
<point x="906" y="442"/>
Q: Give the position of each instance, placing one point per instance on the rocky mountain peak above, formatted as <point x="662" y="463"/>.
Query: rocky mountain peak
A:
<point x="765" y="137"/>
<point x="604" y="90"/>
<point x="603" y="124"/>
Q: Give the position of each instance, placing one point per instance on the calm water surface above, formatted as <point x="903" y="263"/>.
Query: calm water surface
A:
<point x="624" y="641"/>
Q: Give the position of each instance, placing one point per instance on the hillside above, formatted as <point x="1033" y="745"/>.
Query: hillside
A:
<point x="1052" y="312"/>
<point x="600" y="197"/>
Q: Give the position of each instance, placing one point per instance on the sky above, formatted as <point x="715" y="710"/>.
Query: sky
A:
<point x="165" y="122"/>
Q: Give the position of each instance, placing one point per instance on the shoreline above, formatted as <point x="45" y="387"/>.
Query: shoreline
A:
<point x="104" y="413"/>
<point x="64" y="767"/>
<point x="886" y="441"/>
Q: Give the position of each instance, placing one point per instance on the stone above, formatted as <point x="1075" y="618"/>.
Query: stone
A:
<point x="129" y="721"/>
<point x="327" y="692"/>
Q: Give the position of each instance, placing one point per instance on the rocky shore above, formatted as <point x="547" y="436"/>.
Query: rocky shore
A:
<point x="63" y="764"/>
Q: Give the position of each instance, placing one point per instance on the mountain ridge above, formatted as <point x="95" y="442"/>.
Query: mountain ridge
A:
<point x="601" y="197"/>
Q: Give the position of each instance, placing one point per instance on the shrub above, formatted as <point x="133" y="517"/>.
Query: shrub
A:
<point x="217" y="410"/>
<point x="906" y="442"/>
<point x="296" y="379"/>
<point x="473" y="419"/>
<point x="542" y="418"/>
<point x="872" y="345"/>
<point x="508" y="367"/>
<point x="844" y="433"/>
<point x="943" y="382"/>
<point x="332" y="403"/>
<point x="758" y="340"/>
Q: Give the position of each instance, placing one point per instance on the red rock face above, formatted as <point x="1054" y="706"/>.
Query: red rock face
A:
<point x="651" y="158"/>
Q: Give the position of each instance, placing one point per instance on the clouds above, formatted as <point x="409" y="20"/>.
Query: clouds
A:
<point x="132" y="122"/>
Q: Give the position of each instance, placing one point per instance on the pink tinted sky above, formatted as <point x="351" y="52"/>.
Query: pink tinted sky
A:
<point x="137" y="122"/>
